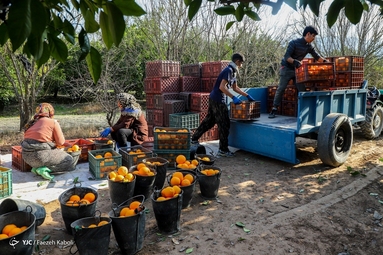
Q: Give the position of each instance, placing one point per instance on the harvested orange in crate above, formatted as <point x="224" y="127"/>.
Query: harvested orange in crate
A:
<point x="245" y="110"/>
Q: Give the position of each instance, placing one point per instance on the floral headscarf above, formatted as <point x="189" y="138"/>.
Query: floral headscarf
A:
<point x="129" y="104"/>
<point x="43" y="110"/>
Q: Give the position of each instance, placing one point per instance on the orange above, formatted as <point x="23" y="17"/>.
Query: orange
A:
<point x="109" y="142"/>
<point x="74" y="198"/>
<point x="135" y="204"/>
<point x="180" y="159"/>
<point x="108" y="155"/>
<point x="3" y="236"/>
<point x="23" y="228"/>
<point x="112" y="175"/>
<point x="102" y="223"/>
<point x="129" y="177"/>
<point x="75" y="147"/>
<point x="84" y="202"/>
<point x="206" y="159"/>
<point x="216" y="171"/>
<point x="150" y="173"/>
<point x="185" y="182"/>
<point x="8" y="228"/>
<point x="92" y="226"/>
<point x="99" y="156"/>
<point x="123" y="211"/>
<point x="140" y="165"/>
<point x="189" y="177"/>
<point x="167" y="192"/>
<point x="129" y="212"/>
<point x="177" y="189"/>
<point x="175" y="181"/>
<point x="161" y="199"/>
<point x="179" y="175"/>
<point x="72" y="203"/>
<point x="70" y="150"/>
<point x="123" y="170"/>
<point x="119" y="178"/>
<point x="14" y="231"/>
<point x="195" y="162"/>
<point x="90" y="197"/>
<point x="144" y="171"/>
<point x="136" y="172"/>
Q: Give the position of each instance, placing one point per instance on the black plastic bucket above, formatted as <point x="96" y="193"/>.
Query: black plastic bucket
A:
<point x="121" y="191"/>
<point x="187" y="190"/>
<point x="160" y="169"/>
<point x="10" y="205"/>
<point x="72" y="213"/>
<point x="167" y="213"/>
<point x="144" y="184"/>
<point x="209" y="185"/>
<point x="201" y="162"/>
<point x="196" y="149"/>
<point x="90" y="241"/>
<point x="22" y="243"/>
<point x="129" y="231"/>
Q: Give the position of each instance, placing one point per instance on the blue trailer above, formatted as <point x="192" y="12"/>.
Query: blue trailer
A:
<point x="326" y="116"/>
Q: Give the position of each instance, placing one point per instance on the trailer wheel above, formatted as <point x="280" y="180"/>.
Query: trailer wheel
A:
<point x="335" y="139"/>
<point x="373" y="125"/>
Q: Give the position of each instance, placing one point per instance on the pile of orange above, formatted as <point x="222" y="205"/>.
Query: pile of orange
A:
<point x="121" y="175"/>
<point x="11" y="230"/>
<point x="210" y="172"/>
<point x="74" y="148"/>
<point x="76" y="200"/>
<point x="107" y="155"/>
<point x="136" y="151"/>
<point x="179" y="179"/>
<point x="206" y="159"/>
<point x="111" y="164"/>
<point x="101" y="223"/>
<point x="154" y="163"/>
<point x="143" y="170"/>
<point x="131" y="210"/>
<point x="169" y="192"/>
<point x="183" y="163"/>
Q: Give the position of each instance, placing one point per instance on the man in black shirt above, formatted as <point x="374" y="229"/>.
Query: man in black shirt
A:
<point x="295" y="53"/>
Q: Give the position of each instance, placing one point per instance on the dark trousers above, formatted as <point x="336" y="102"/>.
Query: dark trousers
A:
<point x="217" y="114"/>
<point x="285" y="75"/>
<point x="123" y="136"/>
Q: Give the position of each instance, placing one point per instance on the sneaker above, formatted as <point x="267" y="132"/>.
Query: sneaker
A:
<point x="225" y="154"/>
<point x="272" y="113"/>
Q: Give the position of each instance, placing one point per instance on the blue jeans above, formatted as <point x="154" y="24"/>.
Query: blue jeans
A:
<point x="285" y="75"/>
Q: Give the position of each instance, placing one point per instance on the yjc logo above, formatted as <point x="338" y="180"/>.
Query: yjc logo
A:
<point x="13" y="242"/>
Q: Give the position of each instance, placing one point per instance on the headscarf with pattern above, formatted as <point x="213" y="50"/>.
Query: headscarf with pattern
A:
<point x="43" y="110"/>
<point x="129" y="104"/>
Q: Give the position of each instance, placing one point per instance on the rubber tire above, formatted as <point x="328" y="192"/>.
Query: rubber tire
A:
<point x="335" y="138"/>
<point x="373" y="125"/>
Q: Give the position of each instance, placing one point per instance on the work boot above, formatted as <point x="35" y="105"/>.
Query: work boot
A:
<point x="44" y="172"/>
<point x="33" y="170"/>
<point x="273" y="112"/>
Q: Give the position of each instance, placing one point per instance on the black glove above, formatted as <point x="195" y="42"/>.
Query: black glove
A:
<point x="297" y="63"/>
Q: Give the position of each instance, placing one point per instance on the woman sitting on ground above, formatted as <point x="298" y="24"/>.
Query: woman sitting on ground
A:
<point x="42" y="136"/>
<point x="131" y="126"/>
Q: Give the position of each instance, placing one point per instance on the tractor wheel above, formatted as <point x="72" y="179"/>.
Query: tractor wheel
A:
<point x="373" y="125"/>
<point x="335" y="139"/>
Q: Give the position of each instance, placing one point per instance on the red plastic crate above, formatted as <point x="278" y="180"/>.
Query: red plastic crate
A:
<point x="202" y="115"/>
<point x="85" y="145"/>
<point x="206" y="69"/>
<point x="17" y="160"/>
<point x="159" y="99"/>
<point x="199" y="101"/>
<point x="210" y="135"/>
<point x="162" y="85"/>
<point x="158" y="117"/>
<point x="193" y="70"/>
<point x="289" y="108"/>
<point x="188" y="83"/>
<point x="162" y="68"/>
<point x="185" y="96"/>
<point x="218" y="66"/>
<point x="207" y="84"/>
<point x="246" y="110"/>
<point x="314" y="72"/>
<point x="150" y="116"/>
<point x="172" y="106"/>
<point x="150" y="130"/>
<point x="349" y="64"/>
<point x="270" y="104"/>
<point x="150" y="100"/>
<point x="291" y="93"/>
<point x="349" y="79"/>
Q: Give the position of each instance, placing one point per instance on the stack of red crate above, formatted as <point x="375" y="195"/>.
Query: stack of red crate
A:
<point x="349" y="72"/>
<point x="161" y="83"/>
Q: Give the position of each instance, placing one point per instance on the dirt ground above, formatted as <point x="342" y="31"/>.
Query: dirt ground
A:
<point x="266" y="206"/>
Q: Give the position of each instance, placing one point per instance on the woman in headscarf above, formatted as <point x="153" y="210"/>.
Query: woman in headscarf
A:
<point x="42" y="136"/>
<point x="131" y="126"/>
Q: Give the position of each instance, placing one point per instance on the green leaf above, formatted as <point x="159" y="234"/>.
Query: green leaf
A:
<point x="3" y="34"/>
<point x="58" y="48"/>
<point x="380" y="201"/>
<point x="189" y="250"/>
<point x="187" y="2"/>
<point x="246" y="230"/>
<point x="46" y="238"/>
<point x="58" y="23"/>
<point x="291" y="3"/>
<point x="354" y="11"/>
<point x="252" y="15"/>
<point x="84" y="44"/>
<point x="91" y="25"/>
<point x="35" y="45"/>
<point x="106" y="36"/>
<point x="45" y="56"/>
<point x="315" y="6"/>
<point x="129" y="8"/>
<point x="240" y="12"/>
<point x="116" y="23"/>
<point x="75" y="4"/>
<point x="229" y="25"/>
<point x="39" y="18"/>
<point x="68" y="31"/>
<point x="225" y="10"/>
<point x="93" y="59"/>
<point x="19" y="20"/>
<point x="193" y="8"/>
<point x="333" y="11"/>
<point x="239" y="224"/>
